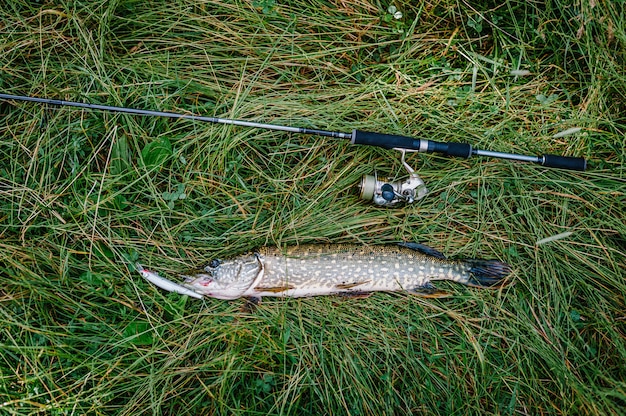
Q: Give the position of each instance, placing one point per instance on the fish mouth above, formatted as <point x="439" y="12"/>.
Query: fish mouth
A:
<point x="187" y="279"/>
<point x="188" y="284"/>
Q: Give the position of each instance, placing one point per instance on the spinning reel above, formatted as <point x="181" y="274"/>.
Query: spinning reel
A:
<point x="390" y="193"/>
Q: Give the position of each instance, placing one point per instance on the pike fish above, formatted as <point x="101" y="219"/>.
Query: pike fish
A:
<point x="341" y="269"/>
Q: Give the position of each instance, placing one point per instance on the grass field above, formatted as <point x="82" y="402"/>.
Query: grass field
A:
<point x="85" y="194"/>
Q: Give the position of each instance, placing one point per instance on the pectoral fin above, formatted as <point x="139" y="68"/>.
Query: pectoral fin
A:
<point x="250" y="304"/>
<point x="428" y="290"/>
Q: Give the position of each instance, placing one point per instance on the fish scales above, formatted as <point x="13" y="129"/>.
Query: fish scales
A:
<point x="325" y="269"/>
<point x="328" y="269"/>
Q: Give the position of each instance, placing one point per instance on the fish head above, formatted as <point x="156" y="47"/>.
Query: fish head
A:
<point x="225" y="279"/>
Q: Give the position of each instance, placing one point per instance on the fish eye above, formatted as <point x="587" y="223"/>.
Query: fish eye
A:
<point x="214" y="263"/>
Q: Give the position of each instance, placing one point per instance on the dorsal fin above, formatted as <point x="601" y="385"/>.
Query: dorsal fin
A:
<point x="429" y="251"/>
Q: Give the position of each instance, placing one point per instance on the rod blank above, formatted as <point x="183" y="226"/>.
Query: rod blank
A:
<point x="168" y="114"/>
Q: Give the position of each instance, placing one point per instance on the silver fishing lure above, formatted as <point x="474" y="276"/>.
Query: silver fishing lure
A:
<point x="164" y="283"/>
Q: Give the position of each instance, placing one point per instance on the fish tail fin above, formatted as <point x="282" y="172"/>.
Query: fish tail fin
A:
<point x="487" y="273"/>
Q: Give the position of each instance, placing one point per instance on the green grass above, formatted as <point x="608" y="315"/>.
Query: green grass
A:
<point x="83" y="194"/>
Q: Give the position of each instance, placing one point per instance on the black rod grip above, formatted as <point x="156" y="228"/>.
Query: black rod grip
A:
<point x="450" y="149"/>
<point x="386" y="141"/>
<point x="564" y="162"/>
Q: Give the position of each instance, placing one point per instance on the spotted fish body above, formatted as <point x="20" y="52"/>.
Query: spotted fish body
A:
<point x="313" y="270"/>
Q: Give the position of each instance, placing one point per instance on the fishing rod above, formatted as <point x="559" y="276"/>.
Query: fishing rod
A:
<point x="381" y="192"/>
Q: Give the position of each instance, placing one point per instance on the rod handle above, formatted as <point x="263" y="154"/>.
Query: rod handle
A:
<point x="386" y="141"/>
<point x="564" y="162"/>
<point x="391" y="141"/>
